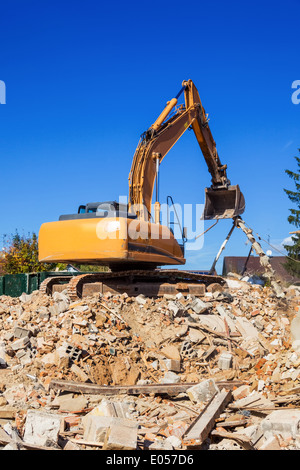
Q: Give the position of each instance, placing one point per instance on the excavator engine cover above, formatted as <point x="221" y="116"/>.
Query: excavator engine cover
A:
<point x="223" y="203"/>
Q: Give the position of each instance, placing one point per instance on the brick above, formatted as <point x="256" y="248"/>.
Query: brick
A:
<point x="225" y="361"/>
<point x="20" y="343"/>
<point x="72" y="351"/>
<point x="80" y="373"/>
<point x="21" y="332"/>
<point x="172" y="365"/>
<point x="241" y="392"/>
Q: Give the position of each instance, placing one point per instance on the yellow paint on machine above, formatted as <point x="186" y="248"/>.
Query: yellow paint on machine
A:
<point x="108" y="241"/>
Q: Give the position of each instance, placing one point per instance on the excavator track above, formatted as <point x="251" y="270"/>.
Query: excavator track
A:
<point x="152" y="283"/>
<point x="46" y="287"/>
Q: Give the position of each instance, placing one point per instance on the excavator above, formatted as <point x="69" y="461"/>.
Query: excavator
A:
<point x="127" y="237"/>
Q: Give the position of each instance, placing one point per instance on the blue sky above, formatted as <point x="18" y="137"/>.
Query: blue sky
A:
<point x="85" y="78"/>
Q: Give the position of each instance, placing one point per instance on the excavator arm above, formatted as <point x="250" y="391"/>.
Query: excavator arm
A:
<point x="222" y="200"/>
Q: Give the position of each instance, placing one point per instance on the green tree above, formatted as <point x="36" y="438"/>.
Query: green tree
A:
<point x="293" y="251"/>
<point x="20" y="255"/>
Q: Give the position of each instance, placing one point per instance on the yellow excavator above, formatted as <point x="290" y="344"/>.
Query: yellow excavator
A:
<point x="129" y="238"/>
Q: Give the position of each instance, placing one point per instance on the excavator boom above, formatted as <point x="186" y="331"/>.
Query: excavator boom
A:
<point x="222" y="199"/>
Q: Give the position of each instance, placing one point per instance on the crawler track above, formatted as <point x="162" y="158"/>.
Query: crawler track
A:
<point x="182" y="279"/>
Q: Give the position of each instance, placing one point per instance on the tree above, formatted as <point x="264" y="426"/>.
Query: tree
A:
<point x="20" y="255"/>
<point x="293" y="263"/>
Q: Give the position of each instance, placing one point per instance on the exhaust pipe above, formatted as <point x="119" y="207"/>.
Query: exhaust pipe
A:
<point x="223" y="203"/>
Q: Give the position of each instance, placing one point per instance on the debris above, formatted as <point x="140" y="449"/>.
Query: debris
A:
<point x="171" y="352"/>
<point x="42" y="428"/>
<point x="177" y="368"/>
<point x="202" y="426"/>
<point x="121" y="437"/>
<point x="203" y="391"/>
<point x="225" y="361"/>
<point x="96" y="428"/>
<point x="282" y="422"/>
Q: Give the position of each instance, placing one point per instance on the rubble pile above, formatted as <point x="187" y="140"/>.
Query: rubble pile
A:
<point x="178" y="372"/>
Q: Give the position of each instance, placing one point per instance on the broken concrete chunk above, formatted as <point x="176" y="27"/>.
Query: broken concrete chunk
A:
<point x="25" y="297"/>
<point x="171" y="352"/>
<point x="172" y="365"/>
<point x="198" y="306"/>
<point x="170" y="378"/>
<point x="120" y="437"/>
<point x="175" y="442"/>
<point x="20" y="343"/>
<point x="272" y="443"/>
<point x="42" y="428"/>
<point x="2" y="355"/>
<point x="95" y="427"/>
<point x="21" y="332"/>
<point x="80" y="373"/>
<point x="203" y="391"/>
<point x="176" y="308"/>
<point x="117" y="409"/>
<point x="225" y="361"/>
<point x="141" y="299"/>
<point x="73" y="352"/>
<point x="246" y="328"/>
<point x="295" y="327"/>
<point x="160" y="444"/>
<point x="196" y="336"/>
<point x="282" y="422"/>
<point x="68" y="403"/>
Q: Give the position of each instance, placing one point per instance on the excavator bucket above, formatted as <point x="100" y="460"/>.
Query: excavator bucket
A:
<point x="223" y="203"/>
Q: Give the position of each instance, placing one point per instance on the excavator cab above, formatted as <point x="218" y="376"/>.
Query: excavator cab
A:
<point x="224" y="203"/>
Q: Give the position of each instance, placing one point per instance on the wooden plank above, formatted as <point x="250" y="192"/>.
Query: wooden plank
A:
<point x="257" y="401"/>
<point x="94" y="389"/>
<point x="232" y="423"/>
<point x="7" y="414"/>
<point x="204" y="423"/>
